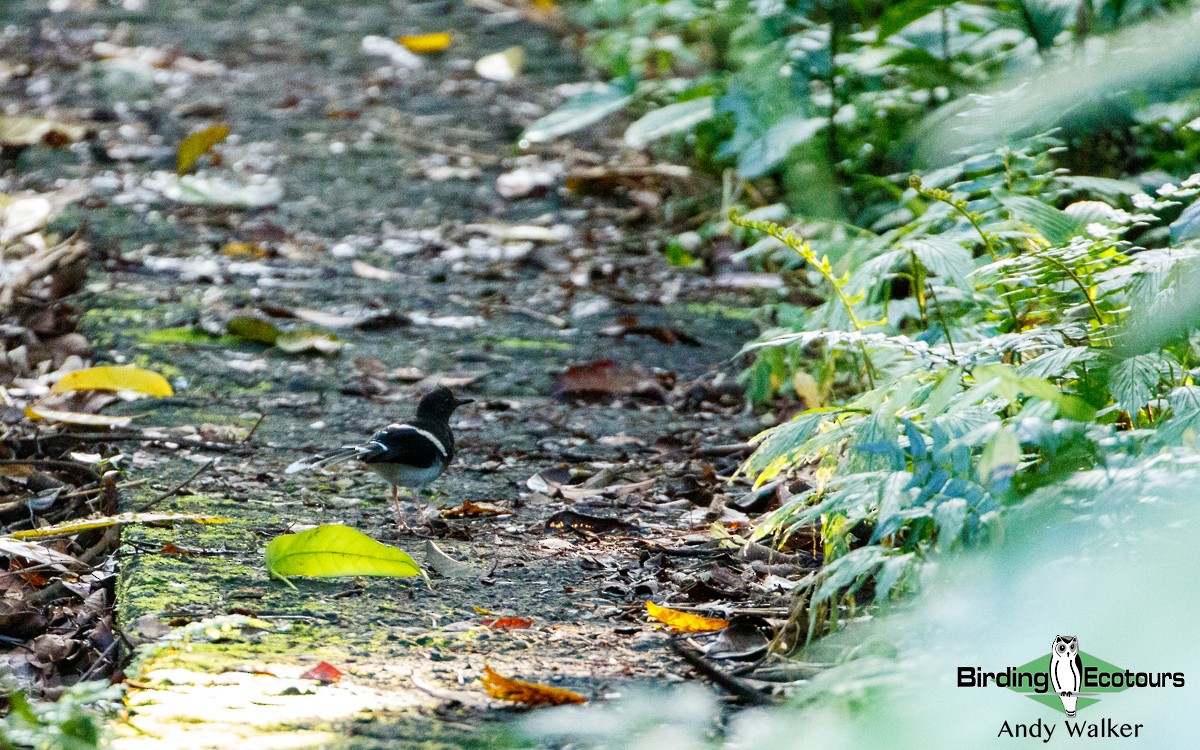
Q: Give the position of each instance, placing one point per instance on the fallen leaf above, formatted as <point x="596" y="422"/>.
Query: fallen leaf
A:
<point x="336" y="551"/>
<point x="605" y="378"/>
<point x="529" y="693"/>
<point x="685" y="621"/>
<point x="254" y="329"/>
<point x="384" y="47"/>
<point x="124" y="519"/>
<point x="198" y="144"/>
<point x="572" y="520"/>
<point x="442" y="564"/>
<point x="32" y="131"/>
<point x="35" y="412"/>
<point x="37" y="554"/>
<point x="424" y="44"/>
<point x="368" y="271"/>
<point x="21" y="216"/>
<point x="501" y="66"/>
<point x="218" y="191"/>
<point x="110" y="378"/>
<point x="245" y="250"/>
<point x="507" y="623"/>
<point x="324" y="673"/>
<point x="472" y="509"/>
<point x="307" y="339"/>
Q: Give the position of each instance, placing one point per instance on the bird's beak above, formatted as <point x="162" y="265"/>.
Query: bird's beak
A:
<point x="463" y="401"/>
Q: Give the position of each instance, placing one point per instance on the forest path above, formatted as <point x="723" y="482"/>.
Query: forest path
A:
<point x="390" y="229"/>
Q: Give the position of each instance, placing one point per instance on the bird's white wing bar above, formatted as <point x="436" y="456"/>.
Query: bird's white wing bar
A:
<point x="423" y="433"/>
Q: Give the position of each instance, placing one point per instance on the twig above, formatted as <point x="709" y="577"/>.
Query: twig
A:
<point x="449" y="695"/>
<point x="736" y="686"/>
<point x="254" y="429"/>
<point x="164" y="495"/>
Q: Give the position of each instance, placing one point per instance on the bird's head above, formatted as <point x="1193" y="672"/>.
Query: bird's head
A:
<point x="439" y="403"/>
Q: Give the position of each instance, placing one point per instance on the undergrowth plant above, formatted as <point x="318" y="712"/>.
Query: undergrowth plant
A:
<point x="985" y="349"/>
<point x="814" y="102"/>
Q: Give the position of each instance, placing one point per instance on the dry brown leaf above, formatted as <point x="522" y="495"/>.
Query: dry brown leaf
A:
<point x="685" y="621"/>
<point x="531" y="694"/>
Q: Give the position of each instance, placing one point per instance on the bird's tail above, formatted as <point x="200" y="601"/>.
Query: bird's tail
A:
<point x="345" y="453"/>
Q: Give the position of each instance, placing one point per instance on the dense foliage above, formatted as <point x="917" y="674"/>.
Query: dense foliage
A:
<point x="1007" y="301"/>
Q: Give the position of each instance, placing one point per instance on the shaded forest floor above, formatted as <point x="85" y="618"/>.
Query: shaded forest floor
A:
<point x="607" y="414"/>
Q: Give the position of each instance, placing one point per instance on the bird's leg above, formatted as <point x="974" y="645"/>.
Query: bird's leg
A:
<point x="400" y="522"/>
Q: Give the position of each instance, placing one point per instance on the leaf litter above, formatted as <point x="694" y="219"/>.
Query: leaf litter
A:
<point x="626" y="397"/>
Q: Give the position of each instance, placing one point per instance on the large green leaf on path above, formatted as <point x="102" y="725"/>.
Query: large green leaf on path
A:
<point x="336" y="551"/>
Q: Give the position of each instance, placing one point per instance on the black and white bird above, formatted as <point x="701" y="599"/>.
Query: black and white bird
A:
<point x="410" y="454"/>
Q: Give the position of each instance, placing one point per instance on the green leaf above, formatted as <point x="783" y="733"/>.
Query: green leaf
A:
<point x="1057" y="362"/>
<point x="1009" y="385"/>
<point x="577" y="113"/>
<point x="899" y="15"/>
<point x="770" y="149"/>
<point x="1187" y="226"/>
<point x="1056" y="226"/>
<point x="1001" y="457"/>
<point x="308" y="340"/>
<point x="673" y="118"/>
<point x="336" y="551"/>
<point x="1134" y="381"/>
<point x="946" y="258"/>
<point x="254" y="329"/>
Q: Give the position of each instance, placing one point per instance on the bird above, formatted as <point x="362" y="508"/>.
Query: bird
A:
<point x="407" y="454"/>
<point x="1066" y="671"/>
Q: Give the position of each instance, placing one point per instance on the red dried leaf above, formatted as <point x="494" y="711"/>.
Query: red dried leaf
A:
<point x="323" y="672"/>
<point x="507" y="623"/>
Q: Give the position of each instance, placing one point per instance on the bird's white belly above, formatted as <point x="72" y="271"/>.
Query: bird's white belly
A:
<point x="406" y="476"/>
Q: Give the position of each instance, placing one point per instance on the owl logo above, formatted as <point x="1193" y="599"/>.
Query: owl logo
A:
<point x="1066" y="671"/>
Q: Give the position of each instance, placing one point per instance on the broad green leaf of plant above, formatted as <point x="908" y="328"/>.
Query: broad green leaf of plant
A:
<point x="769" y="150"/>
<point x="198" y="144"/>
<point x="673" y="118"/>
<point x="1001" y="457"/>
<point x="336" y="551"/>
<point x="1008" y="384"/>
<point x="577" y="113"/>
<point x="110" y="378"/>
<point x="1056" y="226"/>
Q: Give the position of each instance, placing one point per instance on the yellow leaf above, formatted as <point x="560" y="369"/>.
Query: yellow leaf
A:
<point x="244" y="250"/>
<point x="424" y="44"/>
<point x="35" y="412"/>
<point x="547" y="6"/>
<point x="124" y="519"/>
<point x="110" y="378"/>
<point x="807" y="389"/>
<point x="198" y="144"/>
<point x="685" y="621"/>
<point x="530" y="693"/>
